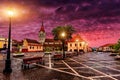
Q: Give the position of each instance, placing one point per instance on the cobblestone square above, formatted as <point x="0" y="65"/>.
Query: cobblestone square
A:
<point x="75" y="68"/>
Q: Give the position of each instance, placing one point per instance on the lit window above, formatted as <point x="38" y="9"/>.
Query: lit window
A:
<point x="57" y="43"/>
<point x="51" y="43"/>
<point x="46" y="42"/>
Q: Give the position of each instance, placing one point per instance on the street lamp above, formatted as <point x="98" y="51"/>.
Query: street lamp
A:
<point x="8" y="68"/>
<point x="77" y="45"/>
<point x="63" y="34"/>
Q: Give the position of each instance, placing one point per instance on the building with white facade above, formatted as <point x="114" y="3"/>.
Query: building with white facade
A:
<point x="77" y="44"/>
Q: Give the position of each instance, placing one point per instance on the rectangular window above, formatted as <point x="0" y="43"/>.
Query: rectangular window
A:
<point x="57" y="43"/>
<point x="46" y="42"/>
<point x="51" y="43"/>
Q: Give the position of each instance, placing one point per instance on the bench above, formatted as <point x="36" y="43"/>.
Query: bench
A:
<point x="57" y="56"/>
<point x="68" y="54"/>
<point x="27" y="61"/>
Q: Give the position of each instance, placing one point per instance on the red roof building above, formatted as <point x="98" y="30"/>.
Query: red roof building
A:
<point x="30" y="45"/>
<point x="106" y="47"/>
<point x="77" y="44"/>
<point x="52" y="45"/>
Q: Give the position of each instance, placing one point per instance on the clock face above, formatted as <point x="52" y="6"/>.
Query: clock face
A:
<point x="42" y="35"/>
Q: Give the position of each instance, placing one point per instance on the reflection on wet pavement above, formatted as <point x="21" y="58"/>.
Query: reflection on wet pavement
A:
<point x="87" y="72"/>
<point x="46" y="74"/>
<point x="103" y="78"/>
<point x="89" y="66"/>
<point x="108" y="71"/>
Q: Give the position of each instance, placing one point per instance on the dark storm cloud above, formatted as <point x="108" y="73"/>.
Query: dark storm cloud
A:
<point x="75" y="9"/>
<point x="88" y="9"/>
<point x="69" y="10"/>
<point x="94" y="19"/>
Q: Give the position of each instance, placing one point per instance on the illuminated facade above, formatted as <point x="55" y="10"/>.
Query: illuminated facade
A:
<point x="77" y="44"/>
<point x="30" y="45"/>
<point x="106" y="47"/>
<point x="52" y="45"/>
<point x="4" y="43"/>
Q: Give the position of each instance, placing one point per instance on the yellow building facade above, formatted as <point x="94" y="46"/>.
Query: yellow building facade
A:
<point x="31" y="46"/>
<point x="4" y="42"/>
<point x="77" y="44"/>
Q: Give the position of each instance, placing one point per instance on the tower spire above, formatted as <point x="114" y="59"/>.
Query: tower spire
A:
<point x="42" y="23"/>
<point x="42" y="34"/>
<point x="42" y="27"/>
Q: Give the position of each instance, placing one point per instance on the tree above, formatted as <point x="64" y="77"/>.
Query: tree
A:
<point x="117" y="46"/>
<point x="63" y="33"/>
<point x="68" y="30"/>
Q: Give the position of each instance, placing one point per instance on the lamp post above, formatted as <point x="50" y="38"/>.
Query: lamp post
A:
<point x="63" y="43"/>
<point x="8" y="68"/>
<point x="77" y="45"/>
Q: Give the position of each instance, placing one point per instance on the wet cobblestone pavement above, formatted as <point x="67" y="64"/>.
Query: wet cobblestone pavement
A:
<point x="89" y="66"/>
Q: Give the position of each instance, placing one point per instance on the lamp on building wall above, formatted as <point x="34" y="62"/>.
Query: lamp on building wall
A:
<point x="8" y="68"/>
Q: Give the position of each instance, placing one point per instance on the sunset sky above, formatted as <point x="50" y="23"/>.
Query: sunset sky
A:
<point x="97" y="21"/>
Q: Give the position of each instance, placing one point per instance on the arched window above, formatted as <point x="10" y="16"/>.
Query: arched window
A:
<point x="80" y="44"/>
<point x="75" y="44"/>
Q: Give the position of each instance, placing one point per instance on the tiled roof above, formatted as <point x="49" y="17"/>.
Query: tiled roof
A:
<point x="76" y="37"/>
<point x="32" y="41"/>
<point x="107" y="45"/>
<point x="17" y="42"/>
<point x="42" y="28"/>
<point x="31" y="44"/>
<point x="52" y="40"/>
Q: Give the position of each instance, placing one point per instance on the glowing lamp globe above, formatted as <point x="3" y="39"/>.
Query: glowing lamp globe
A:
<point x="63" y="34"/>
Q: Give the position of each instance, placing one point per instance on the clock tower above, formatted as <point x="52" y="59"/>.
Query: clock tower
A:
<point x="42" y="34"/>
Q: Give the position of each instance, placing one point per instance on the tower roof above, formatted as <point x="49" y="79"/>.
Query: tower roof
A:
<point x="42" y="27"/>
